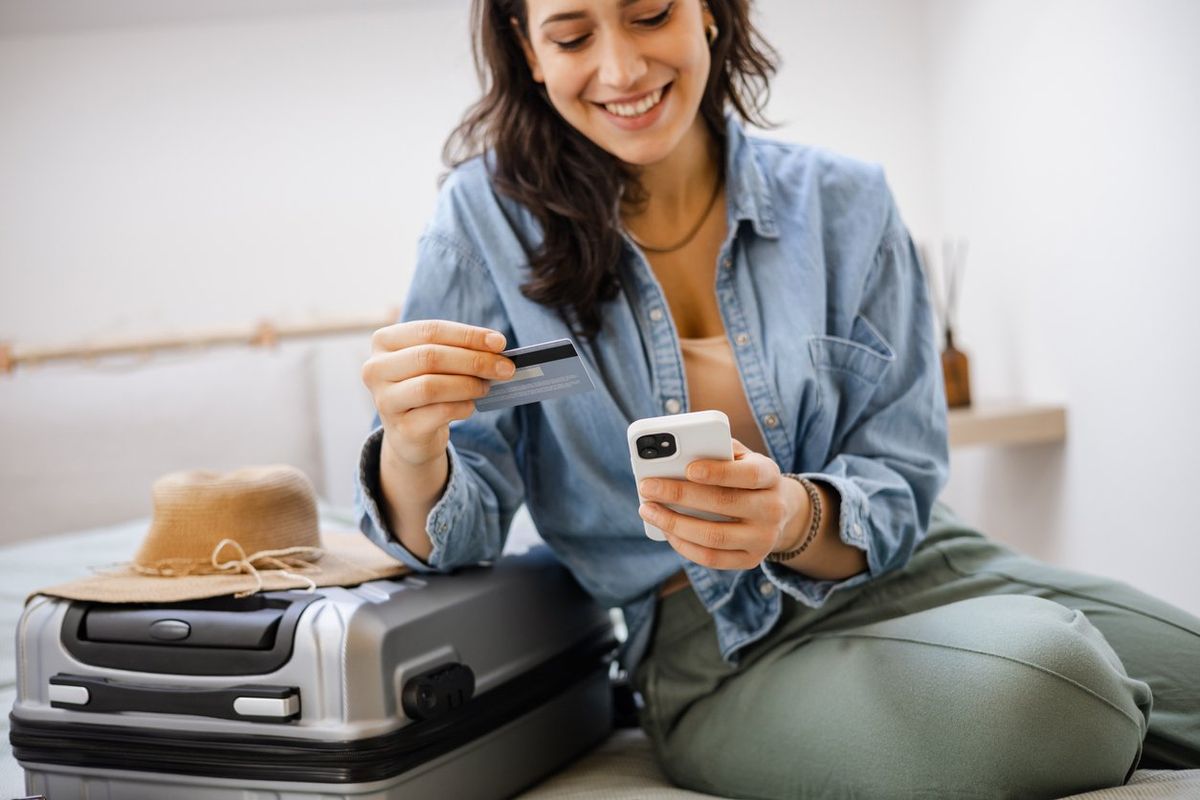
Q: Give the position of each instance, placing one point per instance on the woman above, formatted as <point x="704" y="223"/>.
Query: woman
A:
<point x="842" y="635"/>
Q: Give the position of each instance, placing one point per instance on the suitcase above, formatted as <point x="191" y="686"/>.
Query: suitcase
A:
<point x="471" y="685"/>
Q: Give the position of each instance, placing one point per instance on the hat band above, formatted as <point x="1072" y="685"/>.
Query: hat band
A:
<point x="282" y="561"/>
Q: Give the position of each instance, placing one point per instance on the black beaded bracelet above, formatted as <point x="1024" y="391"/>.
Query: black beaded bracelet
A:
<point x="814" y="499"/>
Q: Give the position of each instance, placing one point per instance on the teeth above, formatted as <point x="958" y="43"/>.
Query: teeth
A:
<point x="635" y="109"/>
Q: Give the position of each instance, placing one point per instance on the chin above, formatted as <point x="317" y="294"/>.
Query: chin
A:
<point x="638" y="154"/>
<point x="640" y="149"/>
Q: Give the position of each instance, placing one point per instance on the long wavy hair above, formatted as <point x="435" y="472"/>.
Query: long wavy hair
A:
<point x="570" y="185"/>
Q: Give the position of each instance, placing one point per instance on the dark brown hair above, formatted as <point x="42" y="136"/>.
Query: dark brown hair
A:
<point x="569" y="184"/>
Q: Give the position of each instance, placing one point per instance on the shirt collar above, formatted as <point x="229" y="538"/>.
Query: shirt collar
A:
<point x="746" y="190"/>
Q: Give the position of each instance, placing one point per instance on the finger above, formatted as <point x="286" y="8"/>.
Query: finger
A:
<point x="751" y="471"/>
<point x="730" y="502"/>
<point x="711" y="534"/>
<point x="707" y="557"/>
<point x="740" y="449"/>
<point x="421" y="422"/>
<point x="437" y="331"/>
<point x="440" y="359"/>
<point x="427" y="390"/>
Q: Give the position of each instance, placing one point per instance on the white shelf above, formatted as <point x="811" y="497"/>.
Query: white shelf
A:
<point x="1003" y="422"/>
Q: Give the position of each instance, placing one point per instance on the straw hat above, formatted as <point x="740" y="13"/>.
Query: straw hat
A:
<point x="253" y="529"/>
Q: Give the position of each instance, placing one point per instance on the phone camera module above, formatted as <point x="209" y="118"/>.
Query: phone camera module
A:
<point x="659" y="445"/>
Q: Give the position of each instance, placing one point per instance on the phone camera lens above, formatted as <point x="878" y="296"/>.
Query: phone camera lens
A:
<point x="658" y="445"/>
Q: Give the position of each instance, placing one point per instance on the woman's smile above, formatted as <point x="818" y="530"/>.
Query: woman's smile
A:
<point x="636" y="113"/>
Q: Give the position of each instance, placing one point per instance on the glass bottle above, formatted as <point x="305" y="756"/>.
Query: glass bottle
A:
<point x="957" y="373"/>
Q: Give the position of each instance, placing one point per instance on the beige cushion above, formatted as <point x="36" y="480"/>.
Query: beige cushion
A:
<point x="623" y="768"/>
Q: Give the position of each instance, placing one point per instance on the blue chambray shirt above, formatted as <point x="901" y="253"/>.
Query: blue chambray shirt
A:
<point x="826" y="308"/>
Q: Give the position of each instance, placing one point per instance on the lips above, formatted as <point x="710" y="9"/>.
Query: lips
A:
<point x="637" y="107"/>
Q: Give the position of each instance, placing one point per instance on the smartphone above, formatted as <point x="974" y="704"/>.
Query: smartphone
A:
<point x="662" y="447"/>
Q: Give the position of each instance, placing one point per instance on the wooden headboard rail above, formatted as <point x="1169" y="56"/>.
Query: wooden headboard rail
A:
<point x="261" y="334"/>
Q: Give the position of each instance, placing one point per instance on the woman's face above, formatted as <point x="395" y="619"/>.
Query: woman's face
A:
<point x="627" y="74"/>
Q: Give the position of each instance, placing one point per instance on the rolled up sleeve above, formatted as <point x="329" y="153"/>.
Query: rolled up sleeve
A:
<point x="469" y="523"/>
<point x="891" y="458"/>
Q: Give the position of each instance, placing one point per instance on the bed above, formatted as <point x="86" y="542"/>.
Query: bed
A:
<point x="81" y="447"/>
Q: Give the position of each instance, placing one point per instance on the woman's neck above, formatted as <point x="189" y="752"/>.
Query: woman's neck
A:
<point x="677" y="188"/>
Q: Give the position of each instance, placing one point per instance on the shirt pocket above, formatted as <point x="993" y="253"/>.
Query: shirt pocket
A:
<point x="848" y="373"/>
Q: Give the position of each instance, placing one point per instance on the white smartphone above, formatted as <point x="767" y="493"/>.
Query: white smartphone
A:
<point x="662" y="447"/>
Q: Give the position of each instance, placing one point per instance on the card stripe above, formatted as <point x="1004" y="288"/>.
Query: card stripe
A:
<point x="542" y="356"/>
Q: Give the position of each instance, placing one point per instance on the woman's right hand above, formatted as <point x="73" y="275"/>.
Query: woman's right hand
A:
<point x="424" y="374"/>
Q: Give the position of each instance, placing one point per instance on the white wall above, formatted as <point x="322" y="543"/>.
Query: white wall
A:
<point x="1067" y="153"/>
<point x="166" y="166"/>
<point x="218" y="170"/>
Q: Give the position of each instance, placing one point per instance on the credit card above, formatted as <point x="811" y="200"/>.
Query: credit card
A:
<point x="544" y="372"/>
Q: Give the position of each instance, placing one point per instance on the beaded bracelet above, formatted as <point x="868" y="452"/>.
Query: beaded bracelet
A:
<point x="814" y="527"/>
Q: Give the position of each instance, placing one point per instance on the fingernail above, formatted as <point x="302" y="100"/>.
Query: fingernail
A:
<point x="649" y="486"/>
<point x="646" y="510"/>
<point x="697" y="472"/>
<point x="494" y="341"/>
<point x="505" y="369"/>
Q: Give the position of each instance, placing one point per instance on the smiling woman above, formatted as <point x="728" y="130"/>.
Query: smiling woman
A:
<point x="833" y="630"/>
<point x="634" y="80"/>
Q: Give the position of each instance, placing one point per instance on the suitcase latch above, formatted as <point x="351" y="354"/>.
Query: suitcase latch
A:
<point x="438" y="691"/>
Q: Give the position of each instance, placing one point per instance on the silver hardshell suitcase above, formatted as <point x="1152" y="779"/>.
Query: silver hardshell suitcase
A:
<point x="471" y="685"/>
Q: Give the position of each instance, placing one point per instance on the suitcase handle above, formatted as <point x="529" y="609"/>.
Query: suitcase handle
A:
<point x="247" y="630"/>
<point x="249" y="702"/>
<point x="215" y="636"/>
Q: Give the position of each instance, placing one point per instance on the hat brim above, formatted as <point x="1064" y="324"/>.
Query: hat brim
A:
<point x="349" y="558"/>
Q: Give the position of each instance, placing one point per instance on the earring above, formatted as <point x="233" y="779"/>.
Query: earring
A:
<point x="711" y="32"/>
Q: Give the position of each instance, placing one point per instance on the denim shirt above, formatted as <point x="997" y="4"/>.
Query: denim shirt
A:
<point x="826" y="309"/>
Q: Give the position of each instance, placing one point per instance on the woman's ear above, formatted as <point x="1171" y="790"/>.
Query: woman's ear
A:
<point x="530" y="57"/>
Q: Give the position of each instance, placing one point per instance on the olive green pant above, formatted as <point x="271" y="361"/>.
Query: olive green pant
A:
<point x="971" y="673"/>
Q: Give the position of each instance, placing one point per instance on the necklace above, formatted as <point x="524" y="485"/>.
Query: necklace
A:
<point x="691" y="234"/>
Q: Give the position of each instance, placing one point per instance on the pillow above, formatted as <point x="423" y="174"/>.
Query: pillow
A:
<point x="81" y="445"/>
<point x="345" y="410"/>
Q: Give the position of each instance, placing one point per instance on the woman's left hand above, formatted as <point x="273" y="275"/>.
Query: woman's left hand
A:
<point x="750" y="489"/>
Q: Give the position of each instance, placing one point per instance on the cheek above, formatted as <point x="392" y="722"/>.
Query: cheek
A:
<point x="564" y="83"/>
<point x="696" y="62"/>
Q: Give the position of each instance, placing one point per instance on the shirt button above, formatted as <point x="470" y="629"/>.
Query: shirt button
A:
<point x="858" y="530"/>
<point x="742" y="339"/>
<point x="770" y="420"/>
<point x="766" y="588"/>
<point x="656" y="314"/>
<point x="672" y="405"/>
<point x="727" y="262"/>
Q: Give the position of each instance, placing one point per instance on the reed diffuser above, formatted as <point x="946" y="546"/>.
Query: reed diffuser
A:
<point x="956" y="369"/>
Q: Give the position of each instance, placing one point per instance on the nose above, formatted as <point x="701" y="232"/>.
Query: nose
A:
<point x="621" y="62"/>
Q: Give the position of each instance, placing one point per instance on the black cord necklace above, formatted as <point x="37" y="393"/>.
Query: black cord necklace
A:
<point x="691" y="234"/>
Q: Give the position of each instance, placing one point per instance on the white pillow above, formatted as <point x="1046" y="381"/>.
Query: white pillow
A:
<point x="81" y="445"/>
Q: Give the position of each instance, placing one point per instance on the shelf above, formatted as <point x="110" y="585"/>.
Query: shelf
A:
<point x="1001" y="422"/>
